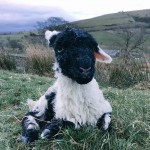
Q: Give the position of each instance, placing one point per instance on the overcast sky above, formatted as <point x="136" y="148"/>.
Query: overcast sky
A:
<point x="21" y="14"/>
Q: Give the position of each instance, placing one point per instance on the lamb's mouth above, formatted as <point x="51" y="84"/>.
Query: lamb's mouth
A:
<point x="83" y="80"/>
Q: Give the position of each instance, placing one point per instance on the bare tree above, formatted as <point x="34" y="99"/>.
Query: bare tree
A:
<point x="131" y="40"/>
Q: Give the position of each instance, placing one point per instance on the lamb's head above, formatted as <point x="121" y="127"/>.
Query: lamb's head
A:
<point x="76" y="52"/>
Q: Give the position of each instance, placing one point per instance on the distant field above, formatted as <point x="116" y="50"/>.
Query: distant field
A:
<point x="104" y="28"/>
<point x="106" y="39"/>
<point x="130" y="128"/>
<point x="14" y="35"/>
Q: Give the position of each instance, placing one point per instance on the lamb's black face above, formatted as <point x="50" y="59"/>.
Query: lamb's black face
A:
<point x="75" y="65"/>
<point x="74" y="50"/>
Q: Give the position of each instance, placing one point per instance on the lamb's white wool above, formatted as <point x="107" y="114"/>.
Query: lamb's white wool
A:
<point x="32" y="126"/>
<point x="40" y="106"/>
<point x="32" y="123"/>
<point x="104" y="56"/>
<point x="49" y="34"/>
<point x="31" y="104"/>
<point x="56" y="68"/>
<point x="78" y="103"/>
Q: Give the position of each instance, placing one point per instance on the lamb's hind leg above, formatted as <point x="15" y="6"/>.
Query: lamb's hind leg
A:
<point x="37" y="117"/>
<point x="54" y="127"/>
<point x="31" y="124"/>
<point x="30" y="128"/>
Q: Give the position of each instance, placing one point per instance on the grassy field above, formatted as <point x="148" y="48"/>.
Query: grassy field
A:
<point x="130" y="127"/>
<point x="114" y="19"/>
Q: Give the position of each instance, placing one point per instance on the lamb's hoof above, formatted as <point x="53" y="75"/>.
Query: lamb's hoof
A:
<point x="30" y="136"/>
<point x="25" y="140"/>
<point x="46" y="134"/>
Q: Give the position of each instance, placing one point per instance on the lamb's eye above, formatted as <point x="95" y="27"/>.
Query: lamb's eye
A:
<point x="60" y="50"/>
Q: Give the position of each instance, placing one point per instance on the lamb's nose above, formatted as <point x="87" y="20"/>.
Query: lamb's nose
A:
<point x="85" y="71"/>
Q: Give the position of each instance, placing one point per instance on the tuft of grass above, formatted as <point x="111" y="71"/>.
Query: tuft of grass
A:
<point x="128" y="73"/>
<point x="130" y="119"/>
<point x="124" y="73"/>
<point x="39" y="59"/>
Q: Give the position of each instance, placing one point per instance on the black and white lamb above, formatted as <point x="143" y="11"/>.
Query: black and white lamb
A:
<point x="75" y="98"/>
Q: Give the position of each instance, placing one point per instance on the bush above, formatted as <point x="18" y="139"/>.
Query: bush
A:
<point x="16" y="44"/>
<point x="6" y="61"/>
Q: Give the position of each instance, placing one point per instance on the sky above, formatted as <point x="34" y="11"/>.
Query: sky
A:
<point x="19" y="15"/>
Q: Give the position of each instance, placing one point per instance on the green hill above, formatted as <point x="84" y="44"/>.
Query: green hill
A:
<point x="105" y="28"/>
<point x="120" y="19"/>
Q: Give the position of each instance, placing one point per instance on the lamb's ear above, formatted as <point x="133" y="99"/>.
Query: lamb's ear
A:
<point x="101" y="56"/>
<point x="50" y="36"/>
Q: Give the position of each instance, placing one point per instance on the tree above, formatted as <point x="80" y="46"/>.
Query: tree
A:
<point x="50" y="22"/>
<point x="130" y="41"/>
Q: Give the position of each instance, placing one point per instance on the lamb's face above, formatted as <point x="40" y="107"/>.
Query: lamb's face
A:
<point x="75" y="52"/>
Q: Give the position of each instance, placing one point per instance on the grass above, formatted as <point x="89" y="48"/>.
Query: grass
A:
<point x="130" y="128"/>
<point x="14" y="36"/>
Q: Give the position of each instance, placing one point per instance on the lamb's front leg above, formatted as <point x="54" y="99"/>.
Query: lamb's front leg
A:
<point x="104" y="122"/>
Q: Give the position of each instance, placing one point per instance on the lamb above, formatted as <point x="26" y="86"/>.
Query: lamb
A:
<point x="75" y="99"/>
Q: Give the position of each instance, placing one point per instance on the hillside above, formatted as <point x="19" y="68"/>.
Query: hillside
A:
<point x="105" y="28"/>
<point x="130" y="19"/>
<point x="130" y="128"/>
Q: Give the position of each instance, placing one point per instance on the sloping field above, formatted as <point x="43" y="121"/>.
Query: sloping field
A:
<point x="130" y="121"/>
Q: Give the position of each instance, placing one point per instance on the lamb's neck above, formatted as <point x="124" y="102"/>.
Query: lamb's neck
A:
<point x="66" y="81"/>
<point x="79" y="92"/>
